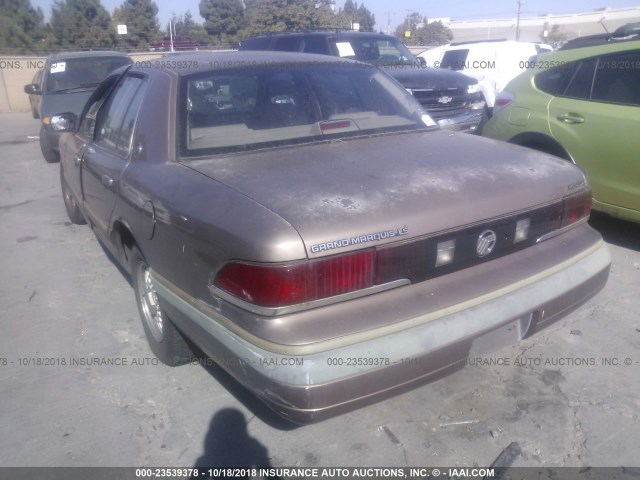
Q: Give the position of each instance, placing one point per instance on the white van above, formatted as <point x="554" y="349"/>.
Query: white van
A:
<point x="492" y="63"/>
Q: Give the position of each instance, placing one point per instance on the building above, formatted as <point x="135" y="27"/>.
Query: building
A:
<point x="540" y="28"/>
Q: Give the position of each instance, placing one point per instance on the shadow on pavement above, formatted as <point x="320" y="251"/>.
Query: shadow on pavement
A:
<point x="228" y="444"/>
<point x="617" y="232"/>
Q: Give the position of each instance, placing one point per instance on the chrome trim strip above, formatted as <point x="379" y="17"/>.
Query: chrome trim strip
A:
<point x="555" y="233"/>
<point x="274" y="311"/>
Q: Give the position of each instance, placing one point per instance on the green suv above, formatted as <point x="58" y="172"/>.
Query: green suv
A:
<point x="582" y="104"/>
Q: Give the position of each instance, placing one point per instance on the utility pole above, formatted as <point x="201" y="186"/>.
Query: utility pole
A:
<point x="520" y="2"/>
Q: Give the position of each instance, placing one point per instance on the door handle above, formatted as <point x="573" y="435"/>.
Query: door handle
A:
<point x="107" y="181"/>
<point x="571" y="118"/>
<point x="77" y="161"/>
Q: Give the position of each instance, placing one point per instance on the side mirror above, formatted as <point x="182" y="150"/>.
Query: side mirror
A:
<point x="64" y="122"/>
<point x="32" y="89"/>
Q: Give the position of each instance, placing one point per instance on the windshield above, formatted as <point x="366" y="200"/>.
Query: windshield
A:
<point x="379" y="51"/>
<point x="81" y="73"/>
<point x="259" y="107"/>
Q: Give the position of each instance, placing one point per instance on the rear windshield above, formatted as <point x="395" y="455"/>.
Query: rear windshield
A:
<point x="455" y="59"/>
<point x="80" y="73"/>
<point x="236" y="110"/>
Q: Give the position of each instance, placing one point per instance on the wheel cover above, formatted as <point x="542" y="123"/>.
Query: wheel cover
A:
<point x="151" y="311"/>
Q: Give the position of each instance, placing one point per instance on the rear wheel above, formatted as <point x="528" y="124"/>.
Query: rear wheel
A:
<point x="70" y="204"/>
<point x="166" y="342"/>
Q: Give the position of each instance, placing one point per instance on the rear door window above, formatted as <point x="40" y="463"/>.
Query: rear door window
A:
<point x="555" y="80"/>
<point x="116" y="121"/>
<point x="582" y="80"/>
<point x="617" y="79"/>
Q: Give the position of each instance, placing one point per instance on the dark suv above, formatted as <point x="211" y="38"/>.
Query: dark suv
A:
<point x="67" y="81"/>
<point x="452" y="99"/>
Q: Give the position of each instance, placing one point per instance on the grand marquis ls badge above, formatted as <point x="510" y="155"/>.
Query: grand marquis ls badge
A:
<point x="486" y="243"/>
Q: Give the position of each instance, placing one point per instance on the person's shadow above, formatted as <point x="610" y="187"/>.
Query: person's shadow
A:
<point x="228" y="445"/>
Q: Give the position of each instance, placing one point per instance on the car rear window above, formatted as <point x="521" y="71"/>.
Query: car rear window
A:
<point x="455" y="59"/>
<point x="259" y="107"/>
<point x="555" y="79"/>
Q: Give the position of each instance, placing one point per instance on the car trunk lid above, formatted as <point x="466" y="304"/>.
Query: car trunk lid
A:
<point x="352" y="194"/>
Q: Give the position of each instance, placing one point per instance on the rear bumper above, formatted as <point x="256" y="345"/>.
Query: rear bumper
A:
<point x="311" y="386"/>
<point x="464" y="123"/>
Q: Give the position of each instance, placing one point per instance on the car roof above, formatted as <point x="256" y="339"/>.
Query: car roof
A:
<point x="628" y="32"/>
<point x="496" y="44"/>
<point x="85" y="54"/>
<point x="591" y="51"/>
<point x="325" y="33"/>
<point x="192" y="62"/>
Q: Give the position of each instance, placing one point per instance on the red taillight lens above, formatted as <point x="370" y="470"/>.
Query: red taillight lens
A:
<point x="502" y="100"/>
<point x="283" y="285"/>
<point x="576" y="207"/>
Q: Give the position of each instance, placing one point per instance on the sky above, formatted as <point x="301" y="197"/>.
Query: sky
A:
<point x="393" y="13"/>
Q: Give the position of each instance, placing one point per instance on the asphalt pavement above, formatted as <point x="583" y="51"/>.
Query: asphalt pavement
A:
<point x="80" y="387"/>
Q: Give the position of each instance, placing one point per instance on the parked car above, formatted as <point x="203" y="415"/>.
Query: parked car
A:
<point x="306" y="224"/>
<point x="625" y="33"/>
<point x="168" y="44"/>
<point x="493" y="63"/>
<point x="34" y="100"/>
<point x="583" y="105"/>
<point x="451" y="99"/>
<point x="67" y="82"/>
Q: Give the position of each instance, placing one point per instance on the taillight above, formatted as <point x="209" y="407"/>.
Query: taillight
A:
<point x="275" y="286"/>
<point x="502" y="100"/>
<point x="576" y="207"/>
<point x="301" y="282"/>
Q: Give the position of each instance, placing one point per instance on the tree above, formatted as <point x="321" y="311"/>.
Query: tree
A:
<point x="223" y="18"/>
<point x="555" y="37"/>
<point x="353" y="13"/>
<point x="21" y="27"/>
<point x="184" y="27"/>
<point x="80" y="24"/>
<point x="140" y="17"/>
<point x="366" y="19"/>
<point x="409" y="24"/>
<point x="423" y="32"/>
<point x="434" y="33"/>
<point x="265" y="16"/>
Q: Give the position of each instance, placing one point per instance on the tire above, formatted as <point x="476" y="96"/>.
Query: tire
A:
<point x="166" y="342"/>
<point x="49" y="154"/>
<point x="70" y="204"/>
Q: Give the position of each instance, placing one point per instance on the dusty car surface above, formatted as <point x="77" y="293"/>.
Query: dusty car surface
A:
<point x="306" y="225"/>
<point x="66" y="82"/>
